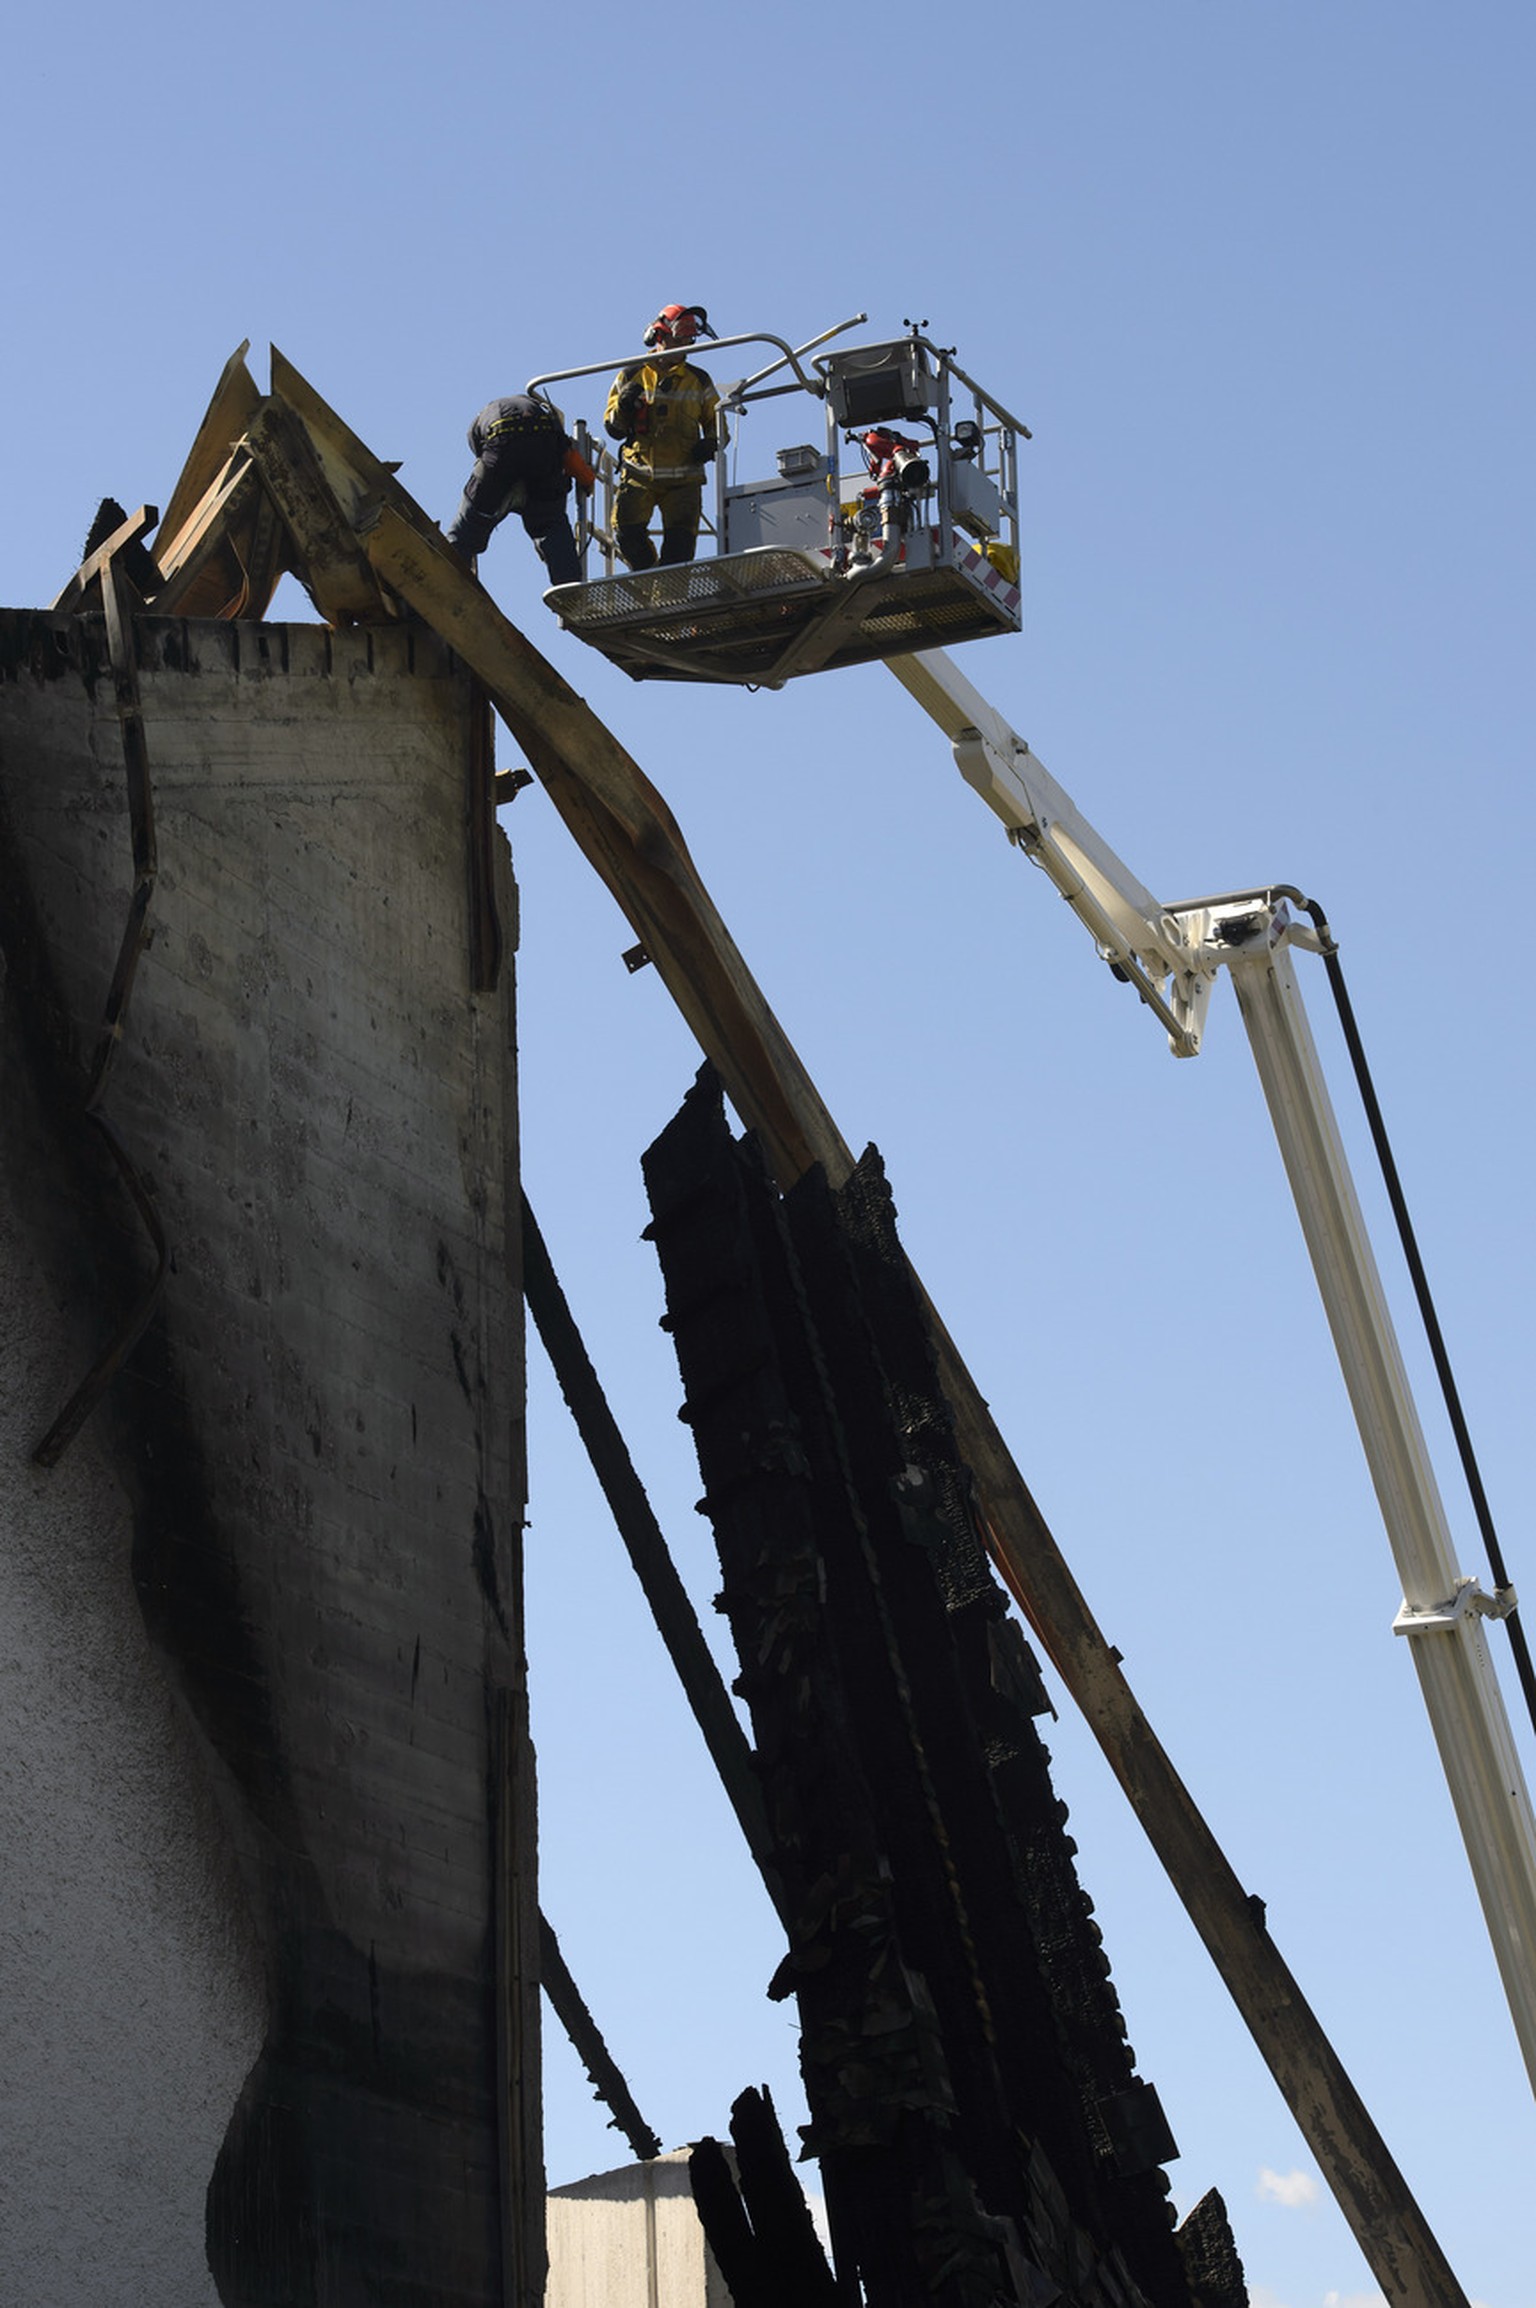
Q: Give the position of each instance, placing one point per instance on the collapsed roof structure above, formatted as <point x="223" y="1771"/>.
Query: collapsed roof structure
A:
<point x="983" y="2134"/>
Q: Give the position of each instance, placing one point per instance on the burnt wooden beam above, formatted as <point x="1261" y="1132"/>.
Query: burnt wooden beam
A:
<point x="935" y="2059"/>
<point x="756" y="2217"/>
<point x="603" y="2072"/>
<point x="204" y="570"/>
<point x="268" y="552"/>
<point x="326" y="556"/>
<point x="234" y="402"/>
<point x="355" y="475"/>
<point x="1068" y="2075"/>
<point x="676" y="1620"/>
<point x="615" y="814"/>
<point x="93" y="569"/>
<point x="626" y="831"/>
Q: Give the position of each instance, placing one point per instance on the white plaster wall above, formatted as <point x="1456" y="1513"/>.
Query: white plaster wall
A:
<point x="133" y="2002"/>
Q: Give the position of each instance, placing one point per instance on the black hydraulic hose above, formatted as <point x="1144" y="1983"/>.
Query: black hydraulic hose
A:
<point x="1430" y="1319"/>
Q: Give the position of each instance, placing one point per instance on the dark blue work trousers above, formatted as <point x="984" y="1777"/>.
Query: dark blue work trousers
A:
<point x="522" y="473"/>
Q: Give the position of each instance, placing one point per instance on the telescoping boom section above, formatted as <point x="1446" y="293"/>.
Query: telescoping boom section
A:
<point x="1172" y="955"/>
<point x="885" y="518"/>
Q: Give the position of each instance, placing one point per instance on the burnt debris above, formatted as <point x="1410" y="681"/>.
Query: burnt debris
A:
<point x="981" y="2130"/>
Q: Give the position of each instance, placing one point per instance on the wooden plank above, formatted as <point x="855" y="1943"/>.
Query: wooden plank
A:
<point x="358" y="479"/>
<point x="207" y="574"/>
<point x="234" y="402"/>
<point x="325" y="553"/>
<point x="321" y="421"/>
<point x="627" y="832"/>
<point x="208" y="516"/>
<point x="94" y="567"/>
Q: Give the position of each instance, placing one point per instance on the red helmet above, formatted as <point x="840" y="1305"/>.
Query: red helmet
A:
<point x="678" y="325"/>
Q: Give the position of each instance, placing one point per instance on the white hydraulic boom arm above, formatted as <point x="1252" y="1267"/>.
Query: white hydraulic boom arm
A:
<point x="1171" y="955"/>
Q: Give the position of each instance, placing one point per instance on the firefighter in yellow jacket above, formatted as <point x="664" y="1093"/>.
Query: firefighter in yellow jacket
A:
<point x="667" y="415"/>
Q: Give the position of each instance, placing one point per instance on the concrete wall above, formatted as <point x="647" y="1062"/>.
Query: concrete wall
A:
<point x="631" y="2239"/>
<point x="130" y="1980"/>
<point x="263" y="1705"/>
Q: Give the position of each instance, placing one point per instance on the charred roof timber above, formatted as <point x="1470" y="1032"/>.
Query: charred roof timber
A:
<point x="962" y="2045"/>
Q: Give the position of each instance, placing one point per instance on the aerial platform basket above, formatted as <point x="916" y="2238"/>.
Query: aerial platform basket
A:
<point x="766" y="614"/>
<point x="910" y="543"/>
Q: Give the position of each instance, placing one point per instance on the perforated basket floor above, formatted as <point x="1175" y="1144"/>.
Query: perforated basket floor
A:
<point x="736" y="619"/>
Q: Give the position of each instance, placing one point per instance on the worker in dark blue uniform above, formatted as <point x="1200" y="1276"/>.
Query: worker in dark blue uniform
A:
<point x="525" y="462"/>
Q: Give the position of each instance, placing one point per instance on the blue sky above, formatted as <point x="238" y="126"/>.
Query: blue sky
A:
<point x="1258" y="278"/>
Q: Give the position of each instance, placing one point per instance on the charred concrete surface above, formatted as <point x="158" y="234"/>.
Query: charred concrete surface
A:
<point x="268" y="1906"/>
<point x="981" y="2129"/>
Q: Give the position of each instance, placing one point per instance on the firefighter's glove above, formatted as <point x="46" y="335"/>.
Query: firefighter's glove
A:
<point x="629" y="412"/>
<point x="580" y="471"/>
<point x="702" y="452"/>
